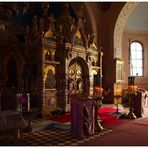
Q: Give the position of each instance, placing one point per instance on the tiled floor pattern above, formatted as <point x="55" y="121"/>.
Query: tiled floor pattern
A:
<point x="51" y="137"/>
<point x="57" y="137"/>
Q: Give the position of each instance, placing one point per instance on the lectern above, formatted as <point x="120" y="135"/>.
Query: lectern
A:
<point x="137" y="104"/>
<point x="83" y="116"/>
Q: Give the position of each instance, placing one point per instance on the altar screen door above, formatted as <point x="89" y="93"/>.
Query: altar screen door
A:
<point x="76" y="82"/>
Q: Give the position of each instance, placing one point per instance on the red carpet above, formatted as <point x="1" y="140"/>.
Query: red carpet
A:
<point x="105" y="115"/>
<point x="61" y="118"/>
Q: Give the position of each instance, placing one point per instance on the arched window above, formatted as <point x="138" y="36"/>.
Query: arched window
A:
<point x="136" y="59"/>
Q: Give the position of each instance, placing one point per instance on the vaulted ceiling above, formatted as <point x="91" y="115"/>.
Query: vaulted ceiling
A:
<point x="138" y="20"/>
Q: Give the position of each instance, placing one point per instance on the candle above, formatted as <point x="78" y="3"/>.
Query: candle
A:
<point x="117" y="92"/>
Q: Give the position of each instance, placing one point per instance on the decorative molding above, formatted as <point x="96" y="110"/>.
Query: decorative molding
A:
<point x="48" y="43"/>
<point x="119" y="27"/>
<point x="134" y="31"/>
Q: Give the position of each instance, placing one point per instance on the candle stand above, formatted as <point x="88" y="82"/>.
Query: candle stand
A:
<point x="117" y="109"/>
<point x="131" y="96"/>
<point x="98" y="103"/>
<point x="98" y="126"/>
<point x="131" y="114"/>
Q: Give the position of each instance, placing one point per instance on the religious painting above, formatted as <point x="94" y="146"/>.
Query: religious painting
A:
<point x="80" y="86"/>
<point x="78" y="39"/>
<point x="119" y="70"/>
<point x="49" y="77"/>
<point x="71" y="85"/>
<point x="71" y="72"/>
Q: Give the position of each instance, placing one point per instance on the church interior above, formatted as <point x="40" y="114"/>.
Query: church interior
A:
<point x="75" y="58"/>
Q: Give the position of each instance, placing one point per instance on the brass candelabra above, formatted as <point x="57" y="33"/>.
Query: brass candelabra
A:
<point x="98" y="102"/>
<point x="117" y="110"/>
<point x="98" y="126"/>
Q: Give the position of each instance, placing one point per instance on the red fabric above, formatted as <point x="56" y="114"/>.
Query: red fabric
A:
<point x="106" y="110"/>
<point x="23" y="100"/>
<point x="61" y="118"/>
<point x="105" y="114"/>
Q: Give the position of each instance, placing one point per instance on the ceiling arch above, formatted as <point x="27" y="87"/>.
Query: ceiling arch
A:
<point x="119" y="27"/>
<point x="138" y="19"/>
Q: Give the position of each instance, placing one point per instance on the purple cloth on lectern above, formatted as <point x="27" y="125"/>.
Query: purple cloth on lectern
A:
<point x="88" y="118"/>
<point x="82" y="114"/>
<point x="76" y="119"/>
<point x="137" y="105"/>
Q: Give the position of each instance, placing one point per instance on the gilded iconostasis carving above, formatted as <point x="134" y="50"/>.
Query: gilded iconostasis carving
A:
<point x="49" y="38"/>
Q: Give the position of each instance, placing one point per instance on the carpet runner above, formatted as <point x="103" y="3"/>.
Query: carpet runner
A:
<point x="61" y="118"/>
<point x="105" y="114"/>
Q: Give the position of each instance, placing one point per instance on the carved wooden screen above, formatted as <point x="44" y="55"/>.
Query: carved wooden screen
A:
<point x="76" y="83"/>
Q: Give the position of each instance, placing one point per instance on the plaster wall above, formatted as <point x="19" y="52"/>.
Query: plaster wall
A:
<point x="143" y="39"/>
